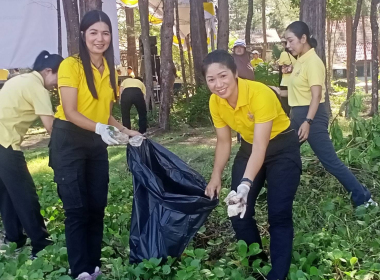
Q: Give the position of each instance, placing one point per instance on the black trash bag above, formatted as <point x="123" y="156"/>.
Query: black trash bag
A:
<point x="169" y="205"/>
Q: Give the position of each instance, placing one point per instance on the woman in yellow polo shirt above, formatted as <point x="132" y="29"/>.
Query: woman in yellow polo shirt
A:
<point x="306" y="90"/>
<point x="22" y="100"/>
<point x="269" y="152"/>
<point x="81" y="132"/>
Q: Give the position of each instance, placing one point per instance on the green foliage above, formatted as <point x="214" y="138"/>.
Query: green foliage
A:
<point x="276" y="51"/>
<point x="265" y="74"/>
<point x="332" y="239"/>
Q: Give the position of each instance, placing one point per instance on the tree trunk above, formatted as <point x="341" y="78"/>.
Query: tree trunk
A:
<point x="59" y="18"/>
<point x="313" y="12"/>
<point x="181" y="54"/>
<point x="329" y="58"/>
<point x="132" y="58"/>
<point x="351" y="77"/>
<point x="212" y="39"/>
<point x="365" y="55"/>
<point x="167" y="64"/>
<point x="223" y="25"/>
<point x="88" y="5"/>
<point x="249" y="22"/>
<point x="348" y="43"/>
<point x="144" y="21"/>
<point x="198" y="38"/>
<point x="264" y="21"/>
<point x="187" y="40"/>
<point x="70" y="9"/>
<point x="375" y="58"/>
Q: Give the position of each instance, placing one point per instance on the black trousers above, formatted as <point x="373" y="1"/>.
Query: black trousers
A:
<point x="19" y="206"/>
<point x="281" y="170"/>
<point x="320" y="143"/>
<point x="129" y="97"/>
<point x="79" y="159"/>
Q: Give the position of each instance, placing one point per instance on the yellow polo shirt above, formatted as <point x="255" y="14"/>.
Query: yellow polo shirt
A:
<point x="133" y="83"/>
<point x="308" y="71"/>
<point x="257" y="61"/>
<point x="22" y="99"/>
<point x="256" y="103"/>
<point x="286" y="59"/>
<point x="71" y="74"/>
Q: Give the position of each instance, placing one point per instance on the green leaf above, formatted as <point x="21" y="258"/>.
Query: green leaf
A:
<point x="353" y="261"/>
<point x="200" y="253"/>
<point x="166" y="269"/>
<point x="242" y="248"/>
<point x="218" y="272"/>
<point x="314" y="271"/>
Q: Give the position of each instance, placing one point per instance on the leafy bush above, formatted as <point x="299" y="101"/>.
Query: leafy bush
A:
<point x="265" y="74"/>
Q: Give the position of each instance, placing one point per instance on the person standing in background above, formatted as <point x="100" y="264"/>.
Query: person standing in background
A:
<point x="244" y="67"/>
<point x="256" y="59"/>
<point x="130" y="72"/>
<point x="22" y="100"/>
<point x="132" y="92"/>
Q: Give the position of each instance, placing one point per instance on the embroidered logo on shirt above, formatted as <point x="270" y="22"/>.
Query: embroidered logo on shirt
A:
<point x="250" y="116"/>
<point x="297" y="73"/>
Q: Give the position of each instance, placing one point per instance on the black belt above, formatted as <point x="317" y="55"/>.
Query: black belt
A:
<point x="72" y="127"/>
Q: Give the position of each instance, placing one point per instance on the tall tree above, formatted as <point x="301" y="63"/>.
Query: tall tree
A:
<point x="167" y="65"/>
<point x="264" y="21"/>
<point x="144" y="22"/>
<point x="59" y="19"/>
<point x="365" y="55"/>
<point x="198" y="38"/>
<point x="313" y="12"/>
<point x="70" y="9"/>
<point x="89" y="5"/>
<point x="352" y="55"/>
<point x="181" y="53"/>
<point x="191" y="68"/>
<point x="223" y="25"/>
<point x="132" y="58"/>
<point x="249" y="22"/>
<point x="375" y="58"/>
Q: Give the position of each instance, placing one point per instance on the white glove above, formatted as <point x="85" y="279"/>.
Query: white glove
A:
<point x="105" y="132"/>
<point x="242" y="193"/>
<point x="237" y="202"/>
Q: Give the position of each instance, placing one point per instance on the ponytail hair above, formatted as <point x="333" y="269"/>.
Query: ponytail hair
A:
<point x="299" y="28"/>
<point x="46" y="60"/>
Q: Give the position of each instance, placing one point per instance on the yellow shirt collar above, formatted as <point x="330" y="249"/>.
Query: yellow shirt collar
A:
<point x="242" y="95"/>
<point x="106" y="69"/>
<point x="39" y="77"/>
<point x="308" y="54"/>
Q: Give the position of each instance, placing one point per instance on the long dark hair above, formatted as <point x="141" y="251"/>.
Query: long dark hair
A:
<point x="46" y="60"/>
<point x="89" y="19"/>
<point x="299" y="28"/>
<point x="219" y="56"/>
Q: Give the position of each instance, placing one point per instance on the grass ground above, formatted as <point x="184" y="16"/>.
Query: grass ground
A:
<point x="332" y="239"/>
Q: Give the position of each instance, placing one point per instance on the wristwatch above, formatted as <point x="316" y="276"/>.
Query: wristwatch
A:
<point x="247" y="180"/>
<point x="309" y="121"/>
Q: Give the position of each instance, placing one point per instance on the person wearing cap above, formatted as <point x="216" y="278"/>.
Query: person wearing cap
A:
<point x="130" y="72"/>
<point x="256" y="59"/>
<point x="23" y="99"/>
<point x="242" y="60"/>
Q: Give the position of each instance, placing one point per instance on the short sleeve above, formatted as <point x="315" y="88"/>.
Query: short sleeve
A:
<point x="214" y="111"/>
<point x="283" y="59"/>
<point x="264" y="105"/>
<point x="41" y="102"/>
<point x="68" y="73"/>
<point x="316" y="73"/>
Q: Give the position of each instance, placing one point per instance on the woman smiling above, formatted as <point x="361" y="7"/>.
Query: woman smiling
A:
<point x="269" y="152"/>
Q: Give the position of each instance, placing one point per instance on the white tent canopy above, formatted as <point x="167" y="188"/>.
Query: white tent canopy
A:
<point x="30" y="26"/>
